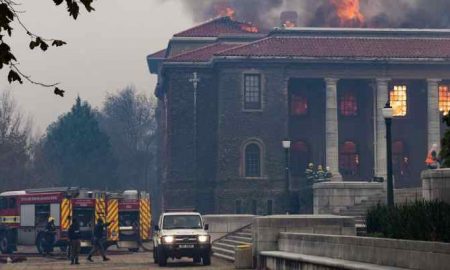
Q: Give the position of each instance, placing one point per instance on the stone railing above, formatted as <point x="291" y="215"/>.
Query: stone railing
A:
<point x="436" y="185"/>
<point x="220" y="225"/>
<point x="328" y="250"/>
<point x="405" y="195"/>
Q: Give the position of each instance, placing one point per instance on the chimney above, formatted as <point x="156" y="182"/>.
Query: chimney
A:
<point x="289" y="19"/>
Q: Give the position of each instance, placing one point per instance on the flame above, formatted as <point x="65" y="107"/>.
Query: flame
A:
<point x="289" y="24"/>
<point x="249" y="28"/>
<point x="348" y="12"/>
<point x="223" y="9"/>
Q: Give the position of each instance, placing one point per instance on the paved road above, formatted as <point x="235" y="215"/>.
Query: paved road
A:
<point x="141" y="260"/>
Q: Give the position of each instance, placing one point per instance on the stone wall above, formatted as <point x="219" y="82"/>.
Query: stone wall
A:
<point x="332" y="197"/>
<point x="405" y="195"/>
<point x="388" y="252"/>
<point x="436" y="185"/>
<point x="220" y="225"/>
<point x="266" y="230"/>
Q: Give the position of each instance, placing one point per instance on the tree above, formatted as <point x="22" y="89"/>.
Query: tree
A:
<point x="15" y="133"/>
<point x="79" y="151"/>
<point x="128" y="119"/>
<point x="10" y="13"/>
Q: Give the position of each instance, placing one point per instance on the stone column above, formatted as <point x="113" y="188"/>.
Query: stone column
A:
<point x="380" y="134"/>
<point x="332" y="129"/>
<point x="434" y="131"/>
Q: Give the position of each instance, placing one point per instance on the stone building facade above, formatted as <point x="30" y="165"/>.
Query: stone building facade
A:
<point x="228" y="95"/>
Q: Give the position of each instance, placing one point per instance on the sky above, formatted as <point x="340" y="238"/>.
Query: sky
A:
<point x="106" y="52"/>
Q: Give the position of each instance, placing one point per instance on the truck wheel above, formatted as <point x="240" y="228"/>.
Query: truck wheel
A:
<point x="4" y="244"/>
<point x="206" y="259"/>
<point x="162" y="259"/>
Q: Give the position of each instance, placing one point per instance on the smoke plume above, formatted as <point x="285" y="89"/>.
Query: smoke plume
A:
<point x="328" y="13"/>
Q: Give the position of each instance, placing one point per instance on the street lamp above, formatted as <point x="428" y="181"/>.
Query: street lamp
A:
<point x="388" y="114"/>
<point x="287" y="145"/>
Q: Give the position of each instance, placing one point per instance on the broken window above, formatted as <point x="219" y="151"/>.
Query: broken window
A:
<point x="398" y="100"/>
<point x="252" y="160"/>
<point x="252" y="92"/>
<point x="299" y="105"/>
<point x="349" y="159"/>
<point x="444" y="99"/>
<point x="348" y="104"/>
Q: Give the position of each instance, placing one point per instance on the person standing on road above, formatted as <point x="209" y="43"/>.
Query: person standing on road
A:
<point x="75" y="243"/>
<point x="99" y="240"/>
<point x="50" y="231"/>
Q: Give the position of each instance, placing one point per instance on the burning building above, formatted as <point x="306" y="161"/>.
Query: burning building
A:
<point x="229" y="94"/>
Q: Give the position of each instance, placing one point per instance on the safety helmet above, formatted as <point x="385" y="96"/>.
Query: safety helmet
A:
<point x="50" y="219"/>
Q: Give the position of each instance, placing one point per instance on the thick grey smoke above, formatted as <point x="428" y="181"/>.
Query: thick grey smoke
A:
<point x="377" y="13"/>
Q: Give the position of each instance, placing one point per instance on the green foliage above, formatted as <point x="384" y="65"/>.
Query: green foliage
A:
<point x="421" y="220"/>
<point x="445" y="151"/>
<point x="79" y="151"/>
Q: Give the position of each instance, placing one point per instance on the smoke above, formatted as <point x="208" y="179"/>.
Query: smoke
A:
<point x="324" y="13"/>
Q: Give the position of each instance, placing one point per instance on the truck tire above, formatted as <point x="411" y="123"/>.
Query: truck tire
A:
<point x="162" y="259"/>
<point x="4" y="244"/>
<point x="206" y="259"/>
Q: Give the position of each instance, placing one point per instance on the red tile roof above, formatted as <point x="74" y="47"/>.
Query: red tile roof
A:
<point x="344" y="47"/>
<point x="218" y="27"/>
<point x="203" y="54"/>
<point x="158" y="54"/>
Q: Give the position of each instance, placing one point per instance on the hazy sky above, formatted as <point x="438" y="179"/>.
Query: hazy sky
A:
<point x="106" y="51"/>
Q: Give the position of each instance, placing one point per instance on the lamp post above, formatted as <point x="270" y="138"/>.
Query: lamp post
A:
<point x="388" y="115"/>
<point x="287" y="145"/>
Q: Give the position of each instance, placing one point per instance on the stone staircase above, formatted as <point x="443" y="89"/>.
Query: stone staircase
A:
<point x="224" y="247"/>
<point x="359" y="210"/>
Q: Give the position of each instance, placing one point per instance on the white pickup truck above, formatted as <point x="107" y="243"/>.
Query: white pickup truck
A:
<point x="181" y="234"/>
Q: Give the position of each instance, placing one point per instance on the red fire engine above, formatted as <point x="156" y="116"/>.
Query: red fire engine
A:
<point x="25" y="214"/>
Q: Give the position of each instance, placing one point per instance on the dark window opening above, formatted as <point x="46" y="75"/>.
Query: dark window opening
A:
<point x="349" y="159"/>
<point x="252" y="92"/>
<point x="252" y="160"/>
<point x="299" y="105"/>
<point x="348" y="104"/>
<point x="238" y="207"/>
<point x="400" y="163"/>
<point x="41" y="214"/>
<point x="269" y="207"/>
<point x="300" y="157"/>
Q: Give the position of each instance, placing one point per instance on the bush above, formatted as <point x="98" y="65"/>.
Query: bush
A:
<point x="421" y="220"/>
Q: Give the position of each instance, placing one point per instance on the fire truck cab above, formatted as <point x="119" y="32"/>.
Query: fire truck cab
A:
<point x="134" y="219"/>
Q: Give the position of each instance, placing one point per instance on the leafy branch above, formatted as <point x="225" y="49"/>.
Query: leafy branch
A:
<point x="9" y="14"/>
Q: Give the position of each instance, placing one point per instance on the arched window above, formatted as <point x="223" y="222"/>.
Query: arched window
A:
<point x="300" y="157"/>
<point x="299" y="105"/>
<point x="348" y="104"/>
<point x="349" y="159"/>
<point x="252" y="160"/>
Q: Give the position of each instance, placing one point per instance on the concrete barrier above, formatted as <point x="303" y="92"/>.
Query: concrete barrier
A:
<point x="436" y="185"/>
<point x="378" y="251"/>
<point x="332" y="197"/>
<point x="220" y="225"/>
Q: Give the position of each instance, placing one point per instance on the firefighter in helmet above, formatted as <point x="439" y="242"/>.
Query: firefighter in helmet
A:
<point x="50" y="231"/>
<point x="309" y="173"/>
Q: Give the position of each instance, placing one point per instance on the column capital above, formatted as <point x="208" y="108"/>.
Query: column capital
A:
<point x="433" y="80"/>
<point x="382" y="80"/>
<point x="331" y="81"/>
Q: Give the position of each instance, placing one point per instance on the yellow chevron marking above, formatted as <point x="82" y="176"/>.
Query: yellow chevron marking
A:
<point x="113" y="217"/>
<point x="144" y="211"/>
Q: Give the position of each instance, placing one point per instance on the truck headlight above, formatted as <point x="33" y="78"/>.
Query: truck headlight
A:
<point x="203" y="238"/>
<point x="168" y="239"/>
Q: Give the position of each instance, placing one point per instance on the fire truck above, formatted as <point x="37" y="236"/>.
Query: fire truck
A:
<point x="24" y="215"/>
<point x="134" y="218"/>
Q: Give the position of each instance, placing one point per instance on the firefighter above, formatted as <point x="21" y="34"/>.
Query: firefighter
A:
<point x="320" y="175"/>
<point x="309" y="173"/>
<point x="432" y="160"/>
<point x="74" y="237"/>
<point x="99" y="240"/>
<point x="50" y="231"/>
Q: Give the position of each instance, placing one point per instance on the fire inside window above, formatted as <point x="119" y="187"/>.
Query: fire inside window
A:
<point x="349" y="159"/>
<point x="444" y="99"/>
<point x="252" y="91"/>
<point x="348" y="105"/>
<point x="398" y="100"/>
<point x="299" y="105"/>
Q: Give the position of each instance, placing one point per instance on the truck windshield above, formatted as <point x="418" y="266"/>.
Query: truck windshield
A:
<point x="182" y="222"/>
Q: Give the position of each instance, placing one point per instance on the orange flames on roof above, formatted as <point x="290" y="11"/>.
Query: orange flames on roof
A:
<point x="224" y="9"/>
<point x="289" y="24"/>
<point x="348" y="12"/>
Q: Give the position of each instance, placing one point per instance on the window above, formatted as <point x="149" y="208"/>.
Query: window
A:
<point x="400" y="163"/>
<point x="444" y="99"/>
<point x="348" y="104"/>
<point x="252" y="92"/>
<point x="349" y="159"/>
<point x="252" y="160"/>
<point x="238" y="207"/>
<point x="42" y="213"/>
<point x="300" y="157"/>
<point x="299" y="105"/>
<point x="398" y="100"/>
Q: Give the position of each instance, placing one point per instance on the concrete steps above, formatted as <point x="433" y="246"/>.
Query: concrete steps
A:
<point x="224" y="247"/>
